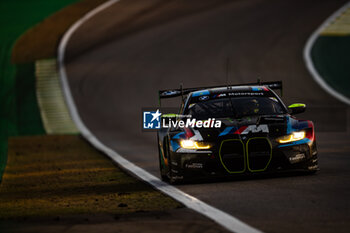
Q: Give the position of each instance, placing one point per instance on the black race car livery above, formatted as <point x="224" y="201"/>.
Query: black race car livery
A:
<point x="256" y="133"/>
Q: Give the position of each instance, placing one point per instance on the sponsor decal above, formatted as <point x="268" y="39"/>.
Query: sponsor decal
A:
<point x="256" y="129"/>
<point x="297" y="158"/>
<point x="194" y="166"/>
<point x="220" y="95"/>
<point x="202" y="98"/>
<point x="245" y="130"/>
<point x="245" y="93"/>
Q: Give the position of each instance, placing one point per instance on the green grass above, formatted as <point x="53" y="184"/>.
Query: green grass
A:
<point x="18" y="109"/>
<point x="331" y="57"/>
<point x="28" y="117"/>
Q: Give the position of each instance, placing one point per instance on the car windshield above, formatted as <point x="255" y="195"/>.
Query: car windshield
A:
<point x="236" y="107"/>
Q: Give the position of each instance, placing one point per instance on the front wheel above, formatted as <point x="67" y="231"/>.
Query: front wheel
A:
<point x="174" y="171"/>
<point x="169" y="173"/>
<point x="163" y="173"/>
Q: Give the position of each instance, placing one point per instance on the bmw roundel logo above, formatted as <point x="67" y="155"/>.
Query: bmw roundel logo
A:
<point x="205" y="97"/>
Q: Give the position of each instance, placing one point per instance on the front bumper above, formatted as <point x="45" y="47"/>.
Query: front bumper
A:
<point x="191" y="164"/>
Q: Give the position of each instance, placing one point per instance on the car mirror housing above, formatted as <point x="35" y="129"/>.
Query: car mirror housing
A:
<point x="296" y="108"/>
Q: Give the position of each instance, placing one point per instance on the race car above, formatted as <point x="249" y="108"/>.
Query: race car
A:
<point x="231" y="130"/>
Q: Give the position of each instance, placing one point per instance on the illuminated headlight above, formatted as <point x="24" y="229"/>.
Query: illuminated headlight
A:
<point x="295" y="136"/>
<point x="190" y="144"/>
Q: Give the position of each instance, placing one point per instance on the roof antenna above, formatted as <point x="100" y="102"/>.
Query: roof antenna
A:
<point x="182" y="93"/>
<point x="258" y="81"/>
<point x="227" y="71"/>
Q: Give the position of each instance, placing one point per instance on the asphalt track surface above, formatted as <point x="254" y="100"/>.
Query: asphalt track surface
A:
<point x="113" y="76"/>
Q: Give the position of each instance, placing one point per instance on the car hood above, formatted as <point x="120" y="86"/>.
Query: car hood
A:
<point x="250" y="126"/>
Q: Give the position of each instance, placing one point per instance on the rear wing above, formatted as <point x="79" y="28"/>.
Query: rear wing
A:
<point x="171" y="93"/>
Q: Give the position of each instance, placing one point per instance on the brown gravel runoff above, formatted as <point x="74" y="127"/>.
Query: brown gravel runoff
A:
<point x="41" y="41"/>
<point x="64" y="175"/>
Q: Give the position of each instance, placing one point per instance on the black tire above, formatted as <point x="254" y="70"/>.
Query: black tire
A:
<point x="171" y="180"/>
<point x="163" y="175"/>
<point x="169" y="176"/>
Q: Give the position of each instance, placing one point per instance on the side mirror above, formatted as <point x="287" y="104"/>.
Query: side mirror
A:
<point x="296" y="108"/>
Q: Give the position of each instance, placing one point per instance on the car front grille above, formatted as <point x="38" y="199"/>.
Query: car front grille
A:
<point x="259" y="154"/>
<point x="254" y="155"/>
<point x="232" y="155"/>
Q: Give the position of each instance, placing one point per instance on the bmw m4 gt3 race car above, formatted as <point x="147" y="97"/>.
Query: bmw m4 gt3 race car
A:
<point x="230" y="130"/>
